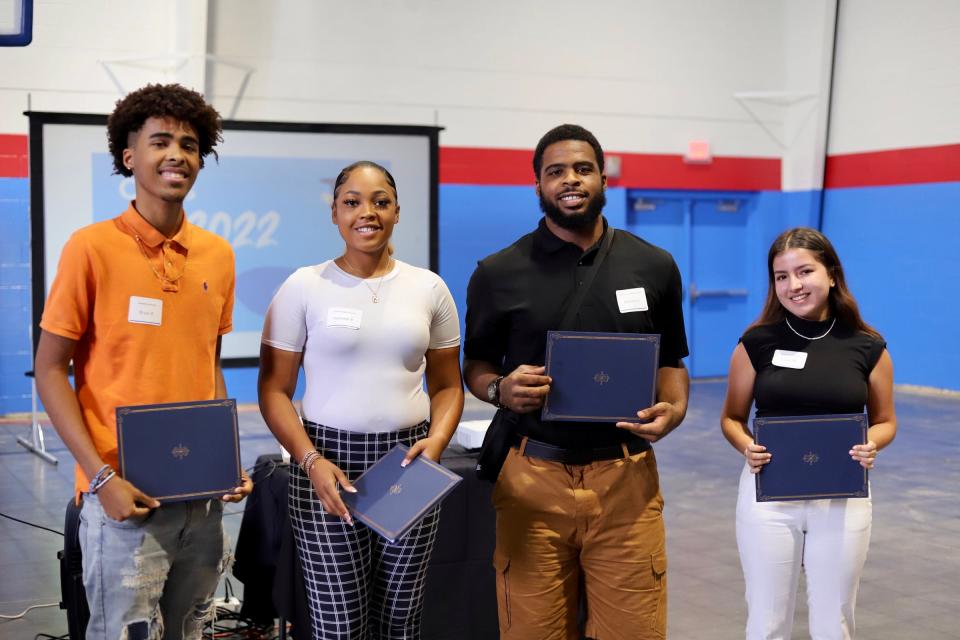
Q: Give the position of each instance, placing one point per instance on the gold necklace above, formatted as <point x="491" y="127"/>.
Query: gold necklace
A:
<point x="374" y="293"/>
<point x="167" y="284"/>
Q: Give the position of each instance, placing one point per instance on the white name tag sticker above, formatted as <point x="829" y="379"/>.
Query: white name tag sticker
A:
<point x="630" y="300"/>
<point x="344" y="318"/>
<point x="145" y="311"/>
<point x="789" y="359"/>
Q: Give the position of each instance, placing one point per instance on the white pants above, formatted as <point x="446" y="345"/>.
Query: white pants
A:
<point x="827" y="538"/>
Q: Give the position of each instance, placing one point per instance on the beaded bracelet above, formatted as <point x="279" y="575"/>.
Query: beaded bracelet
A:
<point x="309" y="459"/>
<point x="100" y="478"/>
<point x="104" y="480"/>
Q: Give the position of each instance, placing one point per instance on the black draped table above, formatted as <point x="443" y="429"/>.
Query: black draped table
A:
<point x="460" y="600"/>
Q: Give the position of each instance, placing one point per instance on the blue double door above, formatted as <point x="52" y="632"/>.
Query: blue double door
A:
<point x="708" y="235"/>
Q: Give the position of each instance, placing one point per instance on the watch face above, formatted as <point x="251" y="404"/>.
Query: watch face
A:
<point x="492" y="391"/>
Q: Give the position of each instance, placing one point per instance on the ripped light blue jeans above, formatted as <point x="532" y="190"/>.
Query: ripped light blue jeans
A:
<point x="153" y="577"/>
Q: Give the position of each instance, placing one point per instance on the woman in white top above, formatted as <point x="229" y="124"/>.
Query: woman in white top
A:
<point x="367" y="328"/>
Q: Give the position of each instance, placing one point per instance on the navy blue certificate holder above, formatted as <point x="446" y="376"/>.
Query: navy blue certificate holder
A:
<point x="180" y="450"/>
<point x="810" y="457"/>
<point x="600" y="377"/>
<point x="391" y="499"/>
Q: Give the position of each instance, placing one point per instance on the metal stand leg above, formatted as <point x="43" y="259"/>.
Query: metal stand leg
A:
<point x="35" y="444"/>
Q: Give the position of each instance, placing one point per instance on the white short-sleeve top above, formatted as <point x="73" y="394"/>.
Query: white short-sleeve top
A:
<point x="363" y="361"/>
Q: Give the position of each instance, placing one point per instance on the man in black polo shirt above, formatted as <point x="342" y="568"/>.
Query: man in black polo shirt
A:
<point x="573" y="497"/>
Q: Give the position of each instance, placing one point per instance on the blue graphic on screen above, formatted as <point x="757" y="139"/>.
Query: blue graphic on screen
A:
<point x="275" y="212"/>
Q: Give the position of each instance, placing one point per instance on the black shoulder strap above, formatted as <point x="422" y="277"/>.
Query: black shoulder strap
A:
<point x="567" y="323"/>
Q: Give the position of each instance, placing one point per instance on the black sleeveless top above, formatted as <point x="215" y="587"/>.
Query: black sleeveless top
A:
<point x="834" y="378"/>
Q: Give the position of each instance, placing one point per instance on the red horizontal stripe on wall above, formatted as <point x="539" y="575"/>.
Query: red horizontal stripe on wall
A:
<point x="13" y="156"/>
<point x="916" y="165"/>
<point x="484" y="166"/>
<point x="470" y="165"/>
<point x="654" y="171"/>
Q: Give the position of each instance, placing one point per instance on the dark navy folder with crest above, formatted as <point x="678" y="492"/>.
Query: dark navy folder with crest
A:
<point x="810" y="457"/>
<point x="391" y="499"/>
<point x="181" y="450"/>
<point x="600" y="377"/>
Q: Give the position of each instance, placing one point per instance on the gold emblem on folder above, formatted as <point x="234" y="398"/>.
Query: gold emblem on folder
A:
<point x="395" y="489"/>
<point x="811" y="458"/>
<point x="180" y="452"/>
<point x="601" y="377"/>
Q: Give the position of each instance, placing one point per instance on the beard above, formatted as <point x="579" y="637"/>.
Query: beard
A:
<point x="575" y="221"/>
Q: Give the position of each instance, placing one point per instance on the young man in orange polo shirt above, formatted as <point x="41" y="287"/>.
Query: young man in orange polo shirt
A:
<point x="139" y="305"/>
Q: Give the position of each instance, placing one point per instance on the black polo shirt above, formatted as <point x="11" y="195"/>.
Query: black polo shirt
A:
<point x="518" y="294"/>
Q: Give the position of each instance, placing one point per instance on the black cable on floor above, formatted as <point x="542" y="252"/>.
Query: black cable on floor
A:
<point x="59" y="533"/>
<point x="231" y="625"/>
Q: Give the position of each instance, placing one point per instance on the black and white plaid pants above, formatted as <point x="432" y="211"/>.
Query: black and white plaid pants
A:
<point x="359" y="586"/>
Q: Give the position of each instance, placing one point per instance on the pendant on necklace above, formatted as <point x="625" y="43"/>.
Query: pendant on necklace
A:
<point x="375" y="299"/>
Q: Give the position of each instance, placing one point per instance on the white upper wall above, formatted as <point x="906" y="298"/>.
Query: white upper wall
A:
<point x="78" y="44"/>
<point x="808" y="45"/>
<point x="644" y="75"/>
<point x="897" y="79"/>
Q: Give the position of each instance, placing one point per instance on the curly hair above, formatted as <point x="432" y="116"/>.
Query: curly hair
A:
<point x="162" y="101"/>
<point x="561" y="133"/>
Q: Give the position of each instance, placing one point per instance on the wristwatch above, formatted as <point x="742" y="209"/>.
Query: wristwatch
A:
<point x="493" y="392"/>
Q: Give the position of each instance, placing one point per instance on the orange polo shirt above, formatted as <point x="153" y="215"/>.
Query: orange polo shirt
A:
<point x="112" y="277"/>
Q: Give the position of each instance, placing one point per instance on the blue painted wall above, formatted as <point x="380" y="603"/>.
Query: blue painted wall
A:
<point x="899" y="247"/>
<point x="897" y="244"/>
<point x="15" y="350"/>
<point x="476" y="221"/>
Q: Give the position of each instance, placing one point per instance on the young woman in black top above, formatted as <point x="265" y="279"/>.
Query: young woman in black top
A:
<point x="809" y="353"/>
